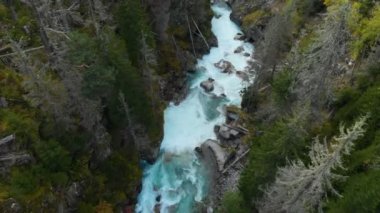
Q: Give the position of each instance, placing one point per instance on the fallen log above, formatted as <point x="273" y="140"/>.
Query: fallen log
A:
<point x="16" y="158"/>
<point x="7" y="139"/>
<point x="236" y="161"/>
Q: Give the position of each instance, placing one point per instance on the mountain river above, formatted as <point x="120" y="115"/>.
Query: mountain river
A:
<point x="178" y="180"/>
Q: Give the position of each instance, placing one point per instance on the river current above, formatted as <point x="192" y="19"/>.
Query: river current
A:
<point x="178" y="180"/>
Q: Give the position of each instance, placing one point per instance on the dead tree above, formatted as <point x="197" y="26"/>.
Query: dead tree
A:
<point x="276" y="43"/>
<point x="149" y="58"/>
<point x="128" y="118"/>
<point x="318" y="68"/>
<point x="41" y="26"/>
<point x="8" y="139"/>
<point x="302" y="188"/>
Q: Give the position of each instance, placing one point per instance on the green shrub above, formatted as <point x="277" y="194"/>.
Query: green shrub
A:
<point x="253" y="18"/>
<point x="281" y="85"/>
<point x="132" y="21"/>
<point x="98" y="81"/>
<point x="52" y="156"/>
<point x="232" y="202"/>
<point x="3" y="12"/>
<point x="367" y="32"/>
<point x="23" y="182"/>
<point x="83" y="49"/>
<point x="122" y="174"/>
<point x="270" y="151"/>
<point x="361" y="194"/>
<point x="22" y="124"/>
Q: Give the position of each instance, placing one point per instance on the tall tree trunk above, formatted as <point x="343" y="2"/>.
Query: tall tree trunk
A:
<point x="44" y="38"/>
<point x="11" y="7"/>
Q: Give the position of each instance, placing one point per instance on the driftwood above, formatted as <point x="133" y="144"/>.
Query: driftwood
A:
<point x="12" y="159"/>
<point x="23" y="51"/>
<point x="200" y="32"/>
<point x="7" y="139"/>
<point x="128" y="116"/>
<point x="191" y="35"/>
<point x="58" y="32"/>
<point x="238" y="128"/>
<point x="236" y="161"/>
<point x="15" y="157"/>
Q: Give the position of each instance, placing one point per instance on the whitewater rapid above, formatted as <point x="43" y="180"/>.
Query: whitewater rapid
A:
<point x="178" y="180"/>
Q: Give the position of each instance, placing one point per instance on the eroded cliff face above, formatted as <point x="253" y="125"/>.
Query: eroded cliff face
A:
<point x="183" y="32"/>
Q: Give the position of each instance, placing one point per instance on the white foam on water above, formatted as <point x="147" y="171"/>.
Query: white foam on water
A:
<point x="177" y="179"/>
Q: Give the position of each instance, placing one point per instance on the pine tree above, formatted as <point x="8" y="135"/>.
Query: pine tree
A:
<point x="301" y="188"/>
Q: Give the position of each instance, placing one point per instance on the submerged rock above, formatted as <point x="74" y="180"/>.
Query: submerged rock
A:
<point x="240" y="49"/>
<point x="208" y="85"/>
<point x="225" y="66"/>
<point x="240" y="37"/>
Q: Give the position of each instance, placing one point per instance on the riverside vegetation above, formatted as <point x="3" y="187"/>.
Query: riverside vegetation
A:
<point x="83" y="85"/>
<point x="318" y="73"/>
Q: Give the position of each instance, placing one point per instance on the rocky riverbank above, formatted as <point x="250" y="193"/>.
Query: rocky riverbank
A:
<point x="225" y="157"/>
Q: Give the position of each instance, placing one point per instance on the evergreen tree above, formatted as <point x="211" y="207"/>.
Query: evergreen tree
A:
<point x="301" y="188"/>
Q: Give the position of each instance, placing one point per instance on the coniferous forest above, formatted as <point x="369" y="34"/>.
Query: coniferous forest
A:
<point x="85" y="84"/>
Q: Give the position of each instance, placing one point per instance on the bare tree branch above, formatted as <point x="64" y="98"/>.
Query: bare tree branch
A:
<point x="7" y="139"/>
<point x="302" y="188"/>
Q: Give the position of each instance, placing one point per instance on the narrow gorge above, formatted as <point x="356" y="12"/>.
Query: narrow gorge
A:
<point x="179" y="179"/>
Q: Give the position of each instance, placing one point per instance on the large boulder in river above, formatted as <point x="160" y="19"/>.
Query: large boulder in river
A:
<point x="240" y="49"/>
<point x="240" y="37"/>
<point x="218" y="153"/>
<point x="208" y="85"/>
<point x="244" y="76"/>
<point x="227" y="132"/>
<point x="225" y="66"/>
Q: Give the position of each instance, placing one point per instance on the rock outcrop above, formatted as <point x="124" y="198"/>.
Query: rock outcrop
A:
<point x="225" y="157"/>
<point x="239" y="49"/>
<point x="225" y="66"/>
<point x="240" y="37"/>
<point x="219" y="154"/>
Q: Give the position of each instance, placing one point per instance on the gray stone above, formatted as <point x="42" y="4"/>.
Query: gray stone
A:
<point x="219" y="154"/>
<point x="242" y="75"/>
<point x="240" y="49"/>
<point x="232" y="116"/>
<point x="225" y="66"/>
<point x="224" y="132"/>
<point x="208" y="85"/>
<point x="240" y="37"/>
